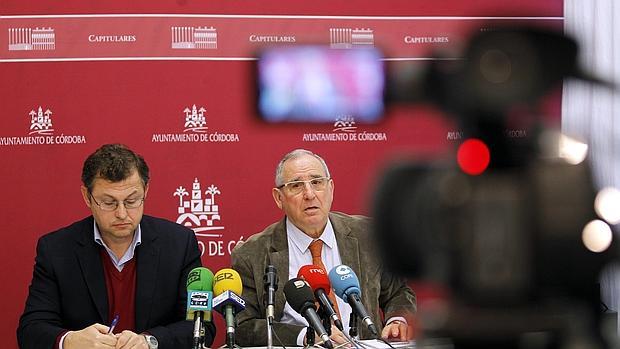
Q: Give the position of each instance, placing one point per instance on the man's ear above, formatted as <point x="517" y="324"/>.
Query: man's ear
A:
<point x="85" y="195"/>
<point x="146" y="190"/>
<point x="277" y="197"/>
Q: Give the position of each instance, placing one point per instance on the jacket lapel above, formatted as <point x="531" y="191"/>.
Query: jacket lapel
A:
<point x="92" y="269"/>
<point x="147" y="264"/>
<point x="347" y="245"/>
<point x="278" y="257"/>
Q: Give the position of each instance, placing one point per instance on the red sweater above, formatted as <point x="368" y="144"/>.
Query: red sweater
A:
<point x="121" y="287"/>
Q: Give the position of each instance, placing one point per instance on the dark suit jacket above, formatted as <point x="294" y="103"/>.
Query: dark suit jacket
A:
<point x="380" y="290"/>
<point x="68" y="290"/>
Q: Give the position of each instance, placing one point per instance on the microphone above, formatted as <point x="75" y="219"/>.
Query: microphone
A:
<point x="347" y="286"/>
<point x="227" y="288"/>
<point x="318" y="281"/>
<point x="270" y="281"/>
<point x="199" y="300"/>
<point x="299" y="295"/>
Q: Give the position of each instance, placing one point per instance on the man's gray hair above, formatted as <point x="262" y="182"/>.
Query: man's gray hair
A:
<point x="297" y="153"/>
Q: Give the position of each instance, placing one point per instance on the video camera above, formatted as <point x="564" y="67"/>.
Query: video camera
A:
<point x="511" y="242"/>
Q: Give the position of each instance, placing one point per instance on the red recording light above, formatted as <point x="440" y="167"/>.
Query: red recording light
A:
<point x="473" y="156"/>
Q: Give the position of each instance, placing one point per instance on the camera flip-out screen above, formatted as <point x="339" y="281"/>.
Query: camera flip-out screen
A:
<point x="319" y="84"/>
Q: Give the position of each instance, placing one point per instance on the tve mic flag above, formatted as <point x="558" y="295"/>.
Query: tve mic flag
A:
<point x="227" y="288"/>
<point x="318" y="281"/>
<point x="347" y="286"/>
<point x="299" y="296"/>
<point x="199" y="299"/>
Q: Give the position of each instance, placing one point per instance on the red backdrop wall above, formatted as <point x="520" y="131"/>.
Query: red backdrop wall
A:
<point x="79" y="74"/>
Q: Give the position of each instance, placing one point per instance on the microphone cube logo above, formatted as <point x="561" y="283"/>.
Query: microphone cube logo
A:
<point x="344" y="272"/>
<point x="316" y="271"/>
<point x="194" y="276"/>
<point x="223" y="276"/>
<point x="300" y="284"/>
<point x="199" y="300"/>
<point x="237" y="299"/>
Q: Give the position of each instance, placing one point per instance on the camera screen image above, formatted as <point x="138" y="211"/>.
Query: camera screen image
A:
<point x="319" y="84"/>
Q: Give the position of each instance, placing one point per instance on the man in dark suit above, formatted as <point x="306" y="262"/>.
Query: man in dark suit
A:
<point x="304" y="191"/>
<point x="116" y="263"/>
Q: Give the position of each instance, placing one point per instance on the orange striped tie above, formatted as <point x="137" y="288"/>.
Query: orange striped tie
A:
<point x="316" y="247"/>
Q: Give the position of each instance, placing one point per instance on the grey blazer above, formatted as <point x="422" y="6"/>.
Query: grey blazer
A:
<point x="380" y="290"/>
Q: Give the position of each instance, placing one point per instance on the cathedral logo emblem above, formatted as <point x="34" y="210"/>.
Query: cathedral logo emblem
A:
<point x="345" y="124"/>
<point x="195" y="120"/>
<point x="198" y="210"/>
<point x="41" y="122"/>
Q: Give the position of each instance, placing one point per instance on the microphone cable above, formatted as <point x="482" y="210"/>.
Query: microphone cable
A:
<point x="275" y="334"/>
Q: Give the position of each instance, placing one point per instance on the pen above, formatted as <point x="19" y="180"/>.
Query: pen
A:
<point x="113" y="324"/>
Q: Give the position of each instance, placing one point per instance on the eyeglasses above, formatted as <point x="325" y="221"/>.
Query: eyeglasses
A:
<point x="296" y="187"/>
<point x="113" y="205"/>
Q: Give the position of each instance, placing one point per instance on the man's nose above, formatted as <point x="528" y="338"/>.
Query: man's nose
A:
<point x="121" y="210"/>
<point x="308" y="191"/>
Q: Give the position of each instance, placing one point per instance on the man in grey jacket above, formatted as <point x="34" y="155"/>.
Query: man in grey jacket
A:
<point x="304" y="191"/>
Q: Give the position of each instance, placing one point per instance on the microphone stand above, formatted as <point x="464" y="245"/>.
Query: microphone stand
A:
<point x="269" y="330"/>
<point x="309" y="336"/>
<point x="198" y="330"/>
<point x="325" y="319"/>
<point x="203" y="341"/>
<point x="353" y="326"/>
<point x="270" y="283"/>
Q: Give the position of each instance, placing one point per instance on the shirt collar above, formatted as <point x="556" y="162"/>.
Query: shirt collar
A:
<point x="301" y="241"/>
<point x="137" y="240"/>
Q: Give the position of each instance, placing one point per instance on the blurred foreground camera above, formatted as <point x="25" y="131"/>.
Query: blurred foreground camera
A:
<point x="517" y="243"/>
<point x="508" y="226"/>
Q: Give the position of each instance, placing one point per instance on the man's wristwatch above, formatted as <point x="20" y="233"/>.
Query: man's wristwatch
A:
<point x="151" y="341"/>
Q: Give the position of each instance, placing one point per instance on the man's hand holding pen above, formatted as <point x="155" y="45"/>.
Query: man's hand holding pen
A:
<point x="126" y="339"/>
<point x="93" y="336"/>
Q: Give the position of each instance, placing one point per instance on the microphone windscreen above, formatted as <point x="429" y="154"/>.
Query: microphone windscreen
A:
<point x="344" y="281"/>
<point x="227" y="280"/>
<point x="315" y="276"/>
<point x="298" y="295"/>
<point x="200" y="279"/>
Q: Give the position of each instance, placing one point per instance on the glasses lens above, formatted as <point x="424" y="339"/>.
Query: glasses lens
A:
<point x="113" y="205"/>
<point x="133" y="203"/>
<point x="296" y="187"/>
<point x="108" y="205"/>
<point x="318" y="184"/>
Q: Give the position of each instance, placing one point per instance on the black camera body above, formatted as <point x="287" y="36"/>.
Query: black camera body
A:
<point x="506" y="243"/>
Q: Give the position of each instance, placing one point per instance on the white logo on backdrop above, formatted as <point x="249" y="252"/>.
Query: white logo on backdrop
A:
<point x="348" y="38"/>
<point x="41" y="122"/>
<point x="195" y="119"/>
<point x="29" y="39"/>
<point x="345" y="124"/>
<point x="195" y="130"/>
<point x="345" y="131"/>
<point x="198" y="213"/>
<point x="41" y="132"/>
<point x="193" y="37"/>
